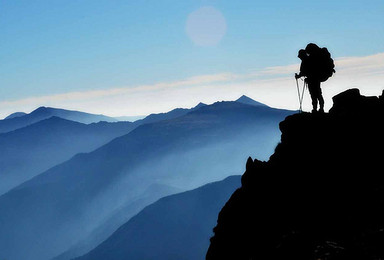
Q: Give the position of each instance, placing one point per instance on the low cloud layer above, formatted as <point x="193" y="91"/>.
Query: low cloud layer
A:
<point x="274" y="86"/>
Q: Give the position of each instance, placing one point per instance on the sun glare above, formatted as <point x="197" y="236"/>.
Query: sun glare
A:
<point x="206" y="26"/>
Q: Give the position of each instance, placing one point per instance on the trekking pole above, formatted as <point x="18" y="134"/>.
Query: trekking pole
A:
<point x="302" y="95"/>
<point x="298" y="92"/>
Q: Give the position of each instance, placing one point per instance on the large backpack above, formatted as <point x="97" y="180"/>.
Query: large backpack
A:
<point x="325" y="65"/>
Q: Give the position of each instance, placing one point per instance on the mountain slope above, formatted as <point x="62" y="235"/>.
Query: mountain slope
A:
<point x="75" y="197"/>
<point x="41" y="113"/>
<point x="320" y="196"/>
<point x="175" y="227"/>
<point x="33" y="149"/>
<point x="120" y="216"/>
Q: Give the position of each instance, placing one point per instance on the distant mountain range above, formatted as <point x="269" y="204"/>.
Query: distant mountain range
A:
<point x="173" y="228"/>
<point x="20" y="119"/>
<point x="25" y="149"/>
<point x="185" y="149"/>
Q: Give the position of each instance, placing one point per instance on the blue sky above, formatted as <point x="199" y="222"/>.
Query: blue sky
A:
<point x="50" y="48"/>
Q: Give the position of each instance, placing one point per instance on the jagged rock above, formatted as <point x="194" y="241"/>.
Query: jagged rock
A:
<point x="350" y="102"/>
<point x="320" y="195"/>
<point x="252" y="166"/>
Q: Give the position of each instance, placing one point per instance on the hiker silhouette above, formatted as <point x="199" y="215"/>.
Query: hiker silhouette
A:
<point x="317" y="66"/>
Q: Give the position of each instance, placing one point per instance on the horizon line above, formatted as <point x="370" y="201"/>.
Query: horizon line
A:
<point x="233" y="84"/>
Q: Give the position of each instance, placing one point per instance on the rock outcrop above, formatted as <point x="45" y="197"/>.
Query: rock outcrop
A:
<point x="320" y="195"/>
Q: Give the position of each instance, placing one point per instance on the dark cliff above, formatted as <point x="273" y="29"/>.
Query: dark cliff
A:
<point x="320" y="195"/>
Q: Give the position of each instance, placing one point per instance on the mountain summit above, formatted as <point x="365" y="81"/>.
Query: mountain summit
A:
<point x="320" y="195"/>
<point x="82" y="117"/>
<point x="249" y="101"/>
<point x="16" y="114"/>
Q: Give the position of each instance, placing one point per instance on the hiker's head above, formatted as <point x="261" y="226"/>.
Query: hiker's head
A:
<point x="311" y="48"/>
<point x="302" y="54"/>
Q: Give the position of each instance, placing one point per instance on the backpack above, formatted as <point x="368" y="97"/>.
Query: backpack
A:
<point x="325" y="64"/>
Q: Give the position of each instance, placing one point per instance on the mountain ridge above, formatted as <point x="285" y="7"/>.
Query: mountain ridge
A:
<point x="21" y="119"/>
<point x="41" y="113"/>
<point x="174" y="113"/>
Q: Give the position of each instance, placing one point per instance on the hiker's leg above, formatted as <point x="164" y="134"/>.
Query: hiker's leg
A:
<point x="312" y="92"/>
<point x="321" y="100"/>
<point x="314" y="104"/>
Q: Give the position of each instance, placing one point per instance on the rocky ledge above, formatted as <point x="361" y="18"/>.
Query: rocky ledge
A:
<point x="320" y="195"/>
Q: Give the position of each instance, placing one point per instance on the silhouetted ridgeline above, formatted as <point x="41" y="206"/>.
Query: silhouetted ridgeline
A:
<point x="321" y="194"/>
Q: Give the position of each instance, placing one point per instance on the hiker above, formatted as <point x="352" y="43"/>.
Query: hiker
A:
<point x="317" y="66"/>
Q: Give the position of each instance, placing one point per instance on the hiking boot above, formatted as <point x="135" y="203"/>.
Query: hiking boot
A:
<point x="321" y="110"/>
<point x="314" y="111"/>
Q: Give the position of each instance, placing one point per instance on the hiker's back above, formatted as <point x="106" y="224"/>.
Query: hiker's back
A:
<point x="321" y="65"/>
<point x="326" y="64"/>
